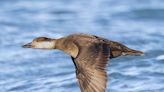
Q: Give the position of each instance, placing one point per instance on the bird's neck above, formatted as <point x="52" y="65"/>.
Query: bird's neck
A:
<point x="59" y="43"/>
<point x="67" y="46"/>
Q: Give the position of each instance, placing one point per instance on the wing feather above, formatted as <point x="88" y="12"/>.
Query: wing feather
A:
<point x="90" y="66"/>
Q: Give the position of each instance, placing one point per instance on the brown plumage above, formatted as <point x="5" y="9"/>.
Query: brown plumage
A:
<point x="90" y="55"/>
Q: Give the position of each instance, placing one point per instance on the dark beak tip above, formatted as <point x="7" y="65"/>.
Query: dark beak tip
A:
<point x="24" y="46"/>
<point x="27" y="45"/>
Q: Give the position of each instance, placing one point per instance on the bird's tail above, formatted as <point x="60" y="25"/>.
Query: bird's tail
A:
<point x="118" y="49"/>
<point x="132" y="52"/>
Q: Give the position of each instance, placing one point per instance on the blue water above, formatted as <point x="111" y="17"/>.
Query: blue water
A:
<point x="139" y="24"/>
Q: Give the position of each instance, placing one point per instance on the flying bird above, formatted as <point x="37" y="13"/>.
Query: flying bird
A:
<point x="90" y="55"/>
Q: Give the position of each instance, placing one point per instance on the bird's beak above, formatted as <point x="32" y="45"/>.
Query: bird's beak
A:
<point x="28" y="45"/>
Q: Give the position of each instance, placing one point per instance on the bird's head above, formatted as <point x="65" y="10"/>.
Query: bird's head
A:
<point x="41" y="43"/>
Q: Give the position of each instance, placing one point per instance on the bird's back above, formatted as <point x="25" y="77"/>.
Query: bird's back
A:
<point x="84" y="39"/>
<point x="116" y="49"/>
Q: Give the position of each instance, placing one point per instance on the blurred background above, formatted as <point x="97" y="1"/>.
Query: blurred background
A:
<point x="139" y="24"/>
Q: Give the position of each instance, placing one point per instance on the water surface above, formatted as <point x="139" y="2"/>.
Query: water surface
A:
<point x="135" y="23"/>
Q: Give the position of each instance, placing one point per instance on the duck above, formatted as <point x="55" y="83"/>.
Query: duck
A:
<point x="90" y="55"/>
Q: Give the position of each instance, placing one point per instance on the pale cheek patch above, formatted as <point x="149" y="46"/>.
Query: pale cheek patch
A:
<point x="47" y="45"/>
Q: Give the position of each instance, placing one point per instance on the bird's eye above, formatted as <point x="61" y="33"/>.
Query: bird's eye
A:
<point x="41" y="39"/>
<point x="45" y="38"/>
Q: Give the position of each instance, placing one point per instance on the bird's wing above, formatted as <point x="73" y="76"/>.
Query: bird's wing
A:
<point x="90" y="67"/>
